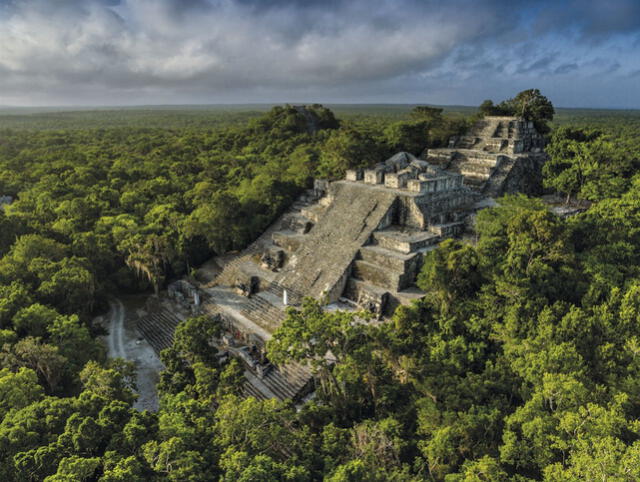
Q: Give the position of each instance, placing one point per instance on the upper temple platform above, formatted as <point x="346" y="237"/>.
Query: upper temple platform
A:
<point x="498" y="155"/>
<point x="405" y="173"/>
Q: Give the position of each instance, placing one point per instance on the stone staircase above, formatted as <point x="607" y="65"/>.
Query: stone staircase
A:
<point x="476" y="167"/>
<point x="261" y="311"/>
<point x="385" y="270"/>
<point x="494" y="185"/>
<point x="289" y="382"/>
<point x="333" y="243"/>
<point x="487" y="135"/>
<point x="158" y="328"/>
<point x="284" y="383"/>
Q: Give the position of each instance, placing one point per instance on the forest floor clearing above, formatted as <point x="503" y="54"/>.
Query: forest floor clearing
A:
<point x="124" y="341"/>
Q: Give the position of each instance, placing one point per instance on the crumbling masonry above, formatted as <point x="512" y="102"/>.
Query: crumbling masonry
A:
<point x="360" y="242"/>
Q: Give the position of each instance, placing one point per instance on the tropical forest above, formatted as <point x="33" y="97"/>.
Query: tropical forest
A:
<point x="521" y="362"/>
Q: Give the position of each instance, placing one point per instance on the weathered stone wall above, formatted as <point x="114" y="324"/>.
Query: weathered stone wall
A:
<point x="525" y="176"/>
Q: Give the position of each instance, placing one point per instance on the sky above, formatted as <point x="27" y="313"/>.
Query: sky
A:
<point x="579" y="53"/>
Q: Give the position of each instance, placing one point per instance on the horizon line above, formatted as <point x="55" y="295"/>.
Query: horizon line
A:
<point x="267" y="104"/>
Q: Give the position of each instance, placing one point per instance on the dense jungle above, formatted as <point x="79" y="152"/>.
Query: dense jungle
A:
<point x="521" y="363"/>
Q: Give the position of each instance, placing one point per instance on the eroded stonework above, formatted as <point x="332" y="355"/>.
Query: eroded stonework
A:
<point x="499" y="155"/>
<point x="360" y="242"/>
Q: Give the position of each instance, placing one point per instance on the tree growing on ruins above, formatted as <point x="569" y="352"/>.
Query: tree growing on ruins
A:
<point x="529" y="104"/>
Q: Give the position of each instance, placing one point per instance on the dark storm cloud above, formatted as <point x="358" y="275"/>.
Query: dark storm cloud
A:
<point x="565" y="68"/>
<point x="359" y="50"/>
<point x="593" y="19"/>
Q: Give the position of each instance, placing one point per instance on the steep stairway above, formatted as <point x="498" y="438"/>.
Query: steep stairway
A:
<point x="332" y="244"/>
<point x="493" y="187"/>
<point x="158" y="328"/>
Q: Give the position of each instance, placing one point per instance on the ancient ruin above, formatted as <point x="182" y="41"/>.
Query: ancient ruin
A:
<point x="499" y="155"/>
<point x="358" y="243"/>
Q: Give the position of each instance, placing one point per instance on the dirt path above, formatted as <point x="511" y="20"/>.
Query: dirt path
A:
<point x="115" y="342"/>
<point x="124" y="341"/>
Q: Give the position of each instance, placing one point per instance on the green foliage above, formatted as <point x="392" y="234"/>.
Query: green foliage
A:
<point x="191" y="361"/>
<point x="587" y="165"/>
<point x="17" y="390"/>
<point x="346" y="149"/>
<point x="450" y="273"/>
<point x="309" y="334"/>
<point x="521" y="363"/>
<point x="409" y="136"/>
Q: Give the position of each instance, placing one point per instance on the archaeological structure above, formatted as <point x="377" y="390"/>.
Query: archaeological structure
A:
<point x="358" y="243"/>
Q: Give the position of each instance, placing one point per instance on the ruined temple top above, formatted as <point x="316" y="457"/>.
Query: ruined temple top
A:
<point x="500" y="134"/>
<point x="403" y="171"/>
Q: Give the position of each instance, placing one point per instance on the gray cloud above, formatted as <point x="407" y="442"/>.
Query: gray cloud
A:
<point x="231" y="50"/>
<point x="565" y="68"/>
<point x="541" y="64"/>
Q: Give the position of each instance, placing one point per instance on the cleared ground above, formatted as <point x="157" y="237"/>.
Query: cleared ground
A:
<point x="124" y="341"/>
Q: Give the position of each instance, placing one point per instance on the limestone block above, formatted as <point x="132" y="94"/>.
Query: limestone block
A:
<point x="415" y="185"/>
<point x="354" y="175"/>
<point x="373" y="176"/>
<point x="396" y="180"/>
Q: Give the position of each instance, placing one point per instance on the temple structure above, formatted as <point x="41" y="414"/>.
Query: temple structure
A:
<point x="498" y="155"/>
<point x="359" y="243"/>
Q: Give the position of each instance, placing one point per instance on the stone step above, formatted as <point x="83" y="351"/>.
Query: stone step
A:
<point x="381" y="276"/>
<point x="477" y="166"/>
<point x="279" y="385"/>
<point x="296" y="373"/>
<point x="325" y="257"/>
<point x="475" y="182"/>
<point x="358" y="289"/>
<point x="447" y="229"/>
<point x="471" y="154"/>
<point x="467" y="142"/>
<point x="392" y="259"/>
<point x="248" y="390"/>
<point x="405" y="241"/>
<point x="158" y="329"/>
<point x="284" y="383"/>
<point x="293" y="296"/>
